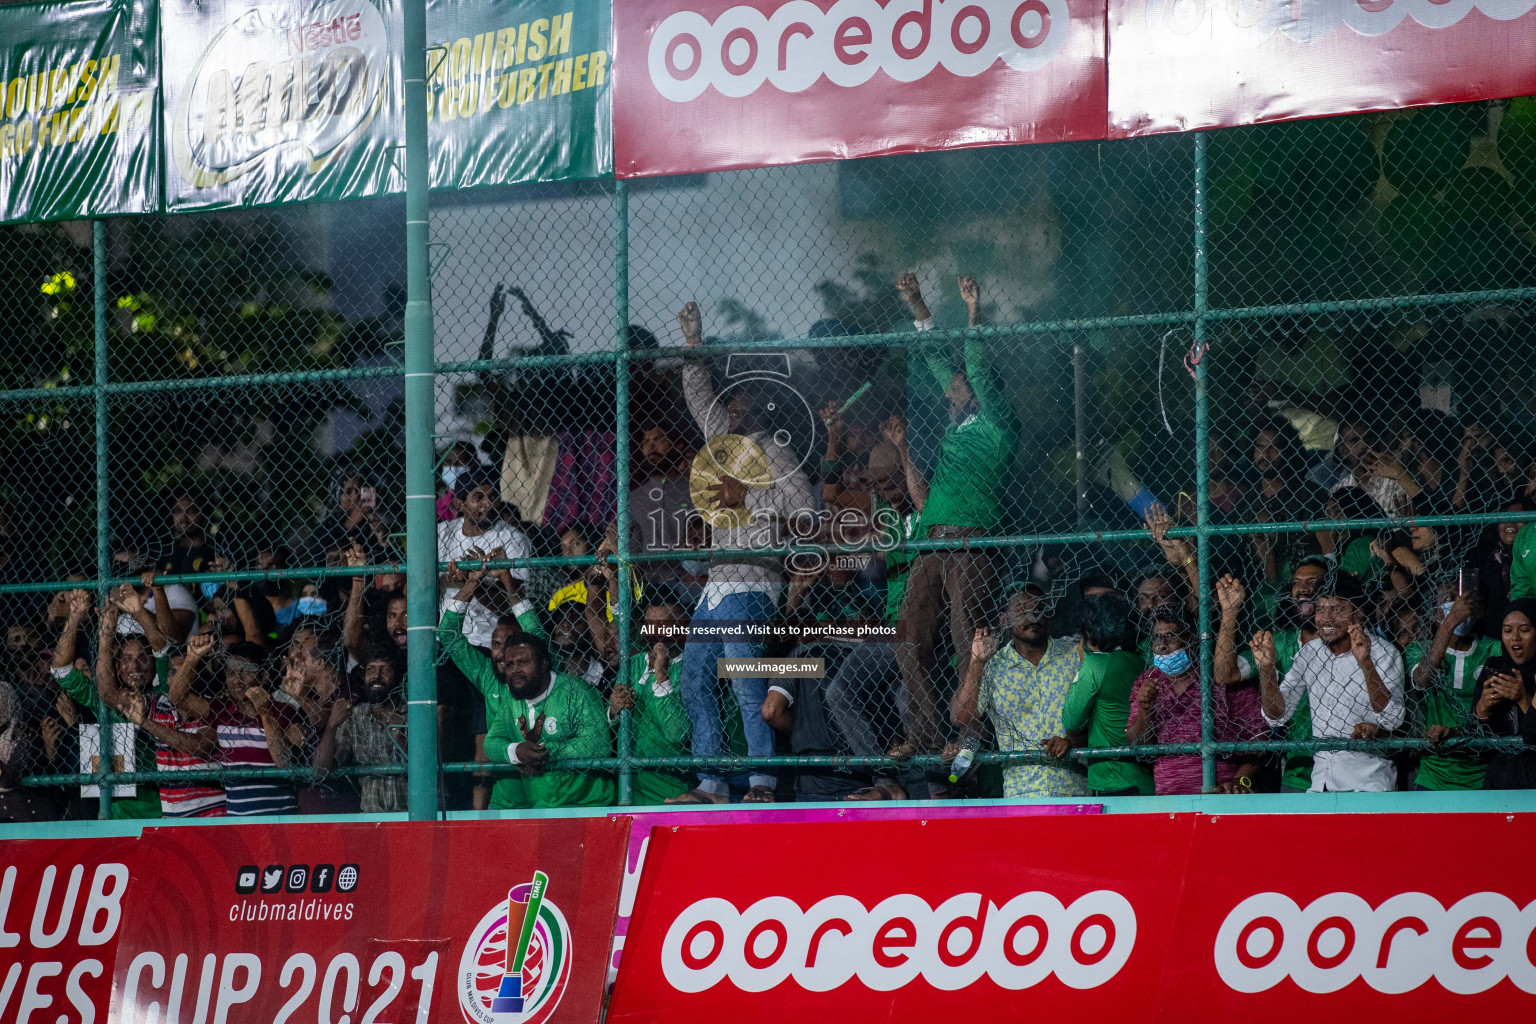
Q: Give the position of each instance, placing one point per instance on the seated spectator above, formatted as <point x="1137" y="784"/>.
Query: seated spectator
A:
<point x="373" y="732"/>
<point x="254" y="729"/>
<point x="458" y="459"/>
<point x="355" y="520"/>
<point x="20" y="748"/>
<point x="1503" y="699"/>
<point x="188" y="550"/>
<point x="1369" y="466"/>
<point x="1353" y="683"/>
<point x="1098" y="703"/>
<point x="481" y="528"/>
<point x="1168" y="710"/>
<point x="1492" y="562"/>
<point x="1447" y="667"/>
<point x="1021" y="687"/>
<point x="796" y="708"/>
<point x="660" y="722"/>
<point x="517" y="680"/>
<point x="659" y="502"/>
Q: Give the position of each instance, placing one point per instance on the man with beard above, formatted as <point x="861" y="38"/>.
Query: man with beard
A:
<point x="1353" y="682"/>
<point x="531" y="712"/>
<point x="965" y="499"/>
<point x="373" y="732"/>
<point x="659" y="503"/>
<point x="1293" y="629"/>
<point x="1022" y="687"/>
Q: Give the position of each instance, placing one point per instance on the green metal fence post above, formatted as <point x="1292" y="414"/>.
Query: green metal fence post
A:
<point x="1203" y="470"/>
<point x="621" y="600"/>
<point x="103" y="515"/>
<point x="420" y="415"/>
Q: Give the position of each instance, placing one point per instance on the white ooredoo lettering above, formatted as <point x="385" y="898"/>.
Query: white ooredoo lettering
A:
<point x="1017" y="944"/>
<point x="799" y="43"/>
<point x="1395" y="947"/>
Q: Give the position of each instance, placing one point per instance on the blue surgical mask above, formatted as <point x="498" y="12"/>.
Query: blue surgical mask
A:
<point x="451" y="474"/>
<point x="311" y="605"/>
<point x="211" y="590"/>
<point x="1462" y="628"/>
<point x="1175" y="664"/>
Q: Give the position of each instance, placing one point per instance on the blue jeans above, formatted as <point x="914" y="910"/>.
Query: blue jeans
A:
<point x="700" y="684"/>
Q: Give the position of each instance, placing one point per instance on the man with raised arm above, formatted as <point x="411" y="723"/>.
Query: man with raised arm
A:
<point x="754" y="514"/>
<point x="532" y="713"/>
<point x="965" y="499"/>
<point x="1353" y="682"/>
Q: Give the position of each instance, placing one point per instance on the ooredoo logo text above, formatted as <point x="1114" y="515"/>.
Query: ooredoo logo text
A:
<point x="1017" y="944"/>
<point x="1395" y="947"/>
<point x="798" y="43"/>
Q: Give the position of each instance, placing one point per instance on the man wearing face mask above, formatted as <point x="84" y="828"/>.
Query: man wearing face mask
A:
<point x="532" y="713"/>
<point x="1353" y="681"/>
<point x="1294" y="628"/>
<point x="1447" y="667"/>
<point x="373" y="732"/>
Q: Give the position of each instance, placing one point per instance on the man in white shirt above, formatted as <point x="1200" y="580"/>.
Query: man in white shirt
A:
<point x="1353" y="682"/>
<point x="742" y="589"/>
<point x="478" y="497"/>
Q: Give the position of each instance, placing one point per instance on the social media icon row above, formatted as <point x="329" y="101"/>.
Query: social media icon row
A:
<point x="296" y="878"/>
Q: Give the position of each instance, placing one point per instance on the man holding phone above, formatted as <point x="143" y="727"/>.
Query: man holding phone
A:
<point x="1447" y="667"/>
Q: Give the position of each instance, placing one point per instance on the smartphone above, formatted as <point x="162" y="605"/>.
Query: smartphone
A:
<point x="370" y="497"/>
<point x="1466" y="581"/>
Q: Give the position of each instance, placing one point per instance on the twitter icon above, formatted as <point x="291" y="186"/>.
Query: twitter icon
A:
<point x="272" y="878"/>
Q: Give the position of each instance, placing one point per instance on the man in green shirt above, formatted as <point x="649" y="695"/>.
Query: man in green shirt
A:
<point x="136" y="663"/>
<point x="531" y="712"/>
<point x="1446" y="666"/>
<point x="1098" y="703"/>
<point x="656" y="709"/>
<point x="964" y="499"/>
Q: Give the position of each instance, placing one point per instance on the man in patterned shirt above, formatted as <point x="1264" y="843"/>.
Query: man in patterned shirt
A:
<point x="1022" y="689"/>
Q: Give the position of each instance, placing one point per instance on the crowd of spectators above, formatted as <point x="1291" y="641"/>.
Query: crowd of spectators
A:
<point x="1423" y="631"/>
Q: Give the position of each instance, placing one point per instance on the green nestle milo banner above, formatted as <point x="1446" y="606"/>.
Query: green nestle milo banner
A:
<point x="278" y="102"/>
<point x="78" y="109"/>
<point x="518" y="90"/>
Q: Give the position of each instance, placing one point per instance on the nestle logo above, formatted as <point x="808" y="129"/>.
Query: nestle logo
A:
<point x="321" y="34"/>
<point x="797" y="44"/>
<point x="1018" y="944"/>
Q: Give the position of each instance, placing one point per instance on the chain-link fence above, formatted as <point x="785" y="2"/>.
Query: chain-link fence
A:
<point x="1186" y="463"/>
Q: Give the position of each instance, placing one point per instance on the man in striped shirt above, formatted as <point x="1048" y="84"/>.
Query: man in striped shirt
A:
<point x="253" y="730"/>
<point x="182" y="743"/>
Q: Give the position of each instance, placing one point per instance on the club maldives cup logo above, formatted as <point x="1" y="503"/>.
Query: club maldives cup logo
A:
<point x="517" y="962"/>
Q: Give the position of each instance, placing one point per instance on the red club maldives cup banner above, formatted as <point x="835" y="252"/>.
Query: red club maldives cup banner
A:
<point x="1177" y="65"/>
<point x="487" y="923"/>
<point x="61" y="909"/>
<point x="1114" y="917"/>
<point x="703" y="85"/>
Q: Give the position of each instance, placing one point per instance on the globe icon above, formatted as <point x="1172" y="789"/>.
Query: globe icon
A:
<point x="346" y="879"/>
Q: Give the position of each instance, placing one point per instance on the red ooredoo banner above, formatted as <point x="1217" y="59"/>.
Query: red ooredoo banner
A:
<point x="702" y="85"/>
<point x="1176" y="65"/>
<point x="61" y="908"/>
<point x="1120" y="917"/>
<point x="400" y="922"/>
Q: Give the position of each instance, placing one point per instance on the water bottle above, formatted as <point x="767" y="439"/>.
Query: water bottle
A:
<point x="961" y="764"/>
